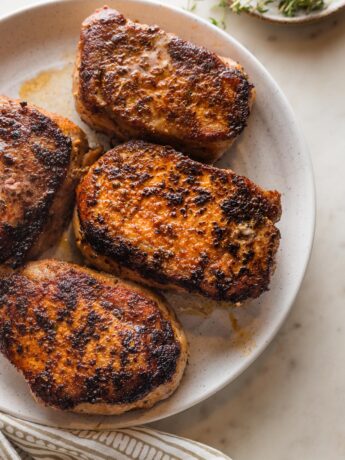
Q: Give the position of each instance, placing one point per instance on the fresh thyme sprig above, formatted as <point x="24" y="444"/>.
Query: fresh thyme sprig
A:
<point x="291" y="7"/>
<point x="223" y="4"/>
<point x="287" y="7"/>
<point x="192" y="5"/>
<point x="240" y="6"/>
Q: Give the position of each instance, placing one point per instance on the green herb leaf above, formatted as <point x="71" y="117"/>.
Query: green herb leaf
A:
<point x="192" y="4"/>
<point x="291" y="7"/>
<point x="288" y="8"/>
<point x="214" y="22"/>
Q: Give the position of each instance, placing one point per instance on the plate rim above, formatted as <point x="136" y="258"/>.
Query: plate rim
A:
<point x="309" y="186"/>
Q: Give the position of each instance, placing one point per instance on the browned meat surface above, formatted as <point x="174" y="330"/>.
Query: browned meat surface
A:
<point x="40" y="155"/>
<point x="136" y="81"/>
<point x="151" y="214"/>
<point x="88" y="342"/>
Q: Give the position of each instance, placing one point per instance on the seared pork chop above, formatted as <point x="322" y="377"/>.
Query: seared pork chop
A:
<point x="40" y="158"/>
<point x="151" y="214"/>
<point x="88" y="342"/>
<point x="136" y="81"/>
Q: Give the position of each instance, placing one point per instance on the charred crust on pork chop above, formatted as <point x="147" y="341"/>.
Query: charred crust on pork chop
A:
<point x="80" y="337"/>
<point x="136" y="81"/>
<point x="39" y="154"/>
<point x="154" y="215"/>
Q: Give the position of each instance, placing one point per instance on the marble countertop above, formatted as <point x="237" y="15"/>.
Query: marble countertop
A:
<point x="290" y="404"/>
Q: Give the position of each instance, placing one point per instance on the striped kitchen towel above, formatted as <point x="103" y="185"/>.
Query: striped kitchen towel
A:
<point x="22" y="440"/>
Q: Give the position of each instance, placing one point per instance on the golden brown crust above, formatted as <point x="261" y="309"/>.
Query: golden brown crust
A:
<point x="40" y="157"/>
<point x="136" y="81"/>
<point x="151" y="214"/>
<point x="88" y="342"/>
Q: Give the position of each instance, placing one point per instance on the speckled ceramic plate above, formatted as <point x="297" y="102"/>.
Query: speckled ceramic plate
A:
<point x="274" y="15"/>
<point x="37" y="47"/>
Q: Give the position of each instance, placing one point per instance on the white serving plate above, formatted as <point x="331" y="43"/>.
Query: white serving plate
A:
<point x="271" y="152"/>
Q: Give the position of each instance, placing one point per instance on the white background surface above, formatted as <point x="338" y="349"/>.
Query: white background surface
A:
<point x="291" y="403"/>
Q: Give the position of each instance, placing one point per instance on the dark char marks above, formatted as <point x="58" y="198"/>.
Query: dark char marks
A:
<point x="33" y="164"/>
<point x="103" y="318"/>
